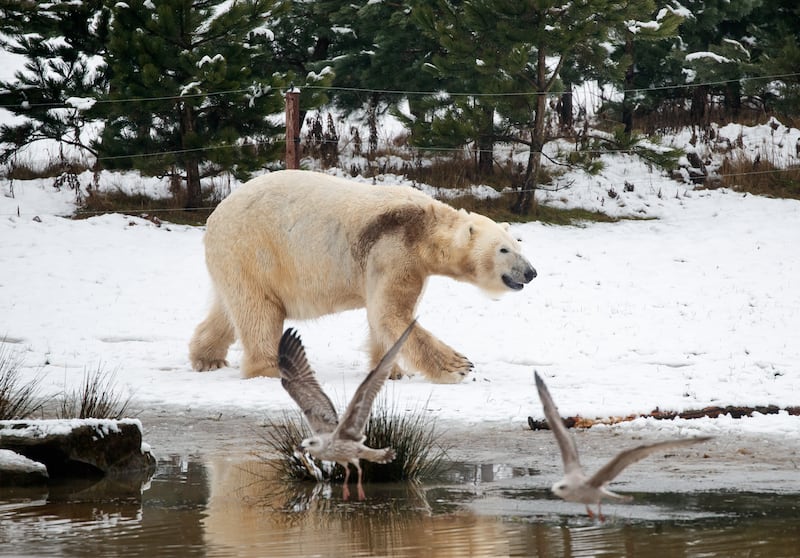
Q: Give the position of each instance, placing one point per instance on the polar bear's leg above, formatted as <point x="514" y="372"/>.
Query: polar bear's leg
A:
<point x="260" y="325"/>
<point x="389" y="311"/>
<point x="212" y="337"/>
<point x="376" y="352"/>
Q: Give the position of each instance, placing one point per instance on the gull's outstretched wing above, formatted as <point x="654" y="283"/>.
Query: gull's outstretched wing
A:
<point x="355" y="417"/>
<point x="298" y="379"/>
<point x="628" y="457"/>
<point x="569" y="451"/>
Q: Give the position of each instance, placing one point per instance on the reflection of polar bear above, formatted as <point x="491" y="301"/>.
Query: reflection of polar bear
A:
<point x="299" y="245"/>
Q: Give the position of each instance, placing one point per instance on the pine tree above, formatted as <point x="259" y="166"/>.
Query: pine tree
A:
<point x="302" y="44"/>
<point x="776" y="56"/>
<point x="376" y="51"/>
<point x="510" y="54"/>
<point x="192" y="86"/>
<point x="649" y="24"/>
<point x="715" y="41"/>
<point x="54" y="93"/>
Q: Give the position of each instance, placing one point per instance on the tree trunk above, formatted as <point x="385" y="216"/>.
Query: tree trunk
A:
<point x="194" y="194"/>
<point x="372" y="124"/>
<point x="565" y="108"/>
<point x="627" y="110"/>
<point x="733" y="99"/>
<point x="524" y="200"/>
<point x="293" y="124"/>
<point x="486" y="143"/>
<point x="698" y="112"/>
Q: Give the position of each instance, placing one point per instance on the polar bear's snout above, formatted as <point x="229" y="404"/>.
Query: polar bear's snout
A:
<point x="521" y="273"/>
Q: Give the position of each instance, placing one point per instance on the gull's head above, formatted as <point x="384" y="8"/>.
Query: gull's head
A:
<point x="561" y="489"/>
<point x="314" y="445"/>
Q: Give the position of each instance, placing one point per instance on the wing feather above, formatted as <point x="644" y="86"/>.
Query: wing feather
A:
<point x="628" y="457"/>
<point x="355" y="417"/>
<point x="569" y="451"/>
<point x="299" y="380"/>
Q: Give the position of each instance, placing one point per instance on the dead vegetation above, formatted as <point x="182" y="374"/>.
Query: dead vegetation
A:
<point x="419" y="453"/>
<point x="735" y="411"/>
<point x="18" y="400"/>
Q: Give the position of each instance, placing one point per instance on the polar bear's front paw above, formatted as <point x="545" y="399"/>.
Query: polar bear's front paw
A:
<point x="205" y="365"/>
<point x="454" y="370"/>
<point x="398" y="373"/>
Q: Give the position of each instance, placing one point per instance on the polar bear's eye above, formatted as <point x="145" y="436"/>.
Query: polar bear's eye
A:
<point x="504" y="250"/>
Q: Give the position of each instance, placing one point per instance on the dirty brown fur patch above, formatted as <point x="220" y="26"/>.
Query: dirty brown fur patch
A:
<point x="407" y="220"/>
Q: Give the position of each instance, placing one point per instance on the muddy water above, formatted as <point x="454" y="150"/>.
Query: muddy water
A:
<point x="236" y="507"/>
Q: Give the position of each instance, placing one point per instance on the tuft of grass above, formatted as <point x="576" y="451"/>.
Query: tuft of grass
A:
<point x="51" y="169"/>
<point x="142" y="205"/>
<point x="412" y="433"/>
<point x="760" y="177"/>
<point x="282" y="437"/>
<point x="455" y="171"/>
<point x="498" y="210"/>
<point x="16" y="401"/>
<point x="97" y="397"/>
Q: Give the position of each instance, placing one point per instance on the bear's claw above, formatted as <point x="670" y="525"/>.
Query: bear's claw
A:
<point x="208" y="365"/>
<point x="454" y="370"/>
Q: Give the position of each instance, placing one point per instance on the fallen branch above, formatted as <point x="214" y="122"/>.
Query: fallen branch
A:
<point x="734" y="411"/>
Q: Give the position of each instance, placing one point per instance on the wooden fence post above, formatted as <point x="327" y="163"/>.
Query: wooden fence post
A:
<point x="293" y="128"/>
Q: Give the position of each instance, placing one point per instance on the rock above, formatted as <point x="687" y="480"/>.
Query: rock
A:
<point x="84" y="448"/>
<point x="697" y="170"/>
<point x="18" y="470"/>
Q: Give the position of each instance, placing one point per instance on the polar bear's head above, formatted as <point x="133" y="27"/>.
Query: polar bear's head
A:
<point x="494" y="256"/>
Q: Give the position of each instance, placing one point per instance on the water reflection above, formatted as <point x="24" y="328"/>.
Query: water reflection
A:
<point x="111" y="517"/>
<point x="249" y="511"/>
<point x="237" y="507"/>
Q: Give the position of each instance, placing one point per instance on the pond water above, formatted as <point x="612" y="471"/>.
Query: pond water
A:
<point x="236" y="507"/>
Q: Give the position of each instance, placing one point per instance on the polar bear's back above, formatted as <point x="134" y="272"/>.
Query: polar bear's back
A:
<point x="296" y="231"/>
<point x="287" y="196"/>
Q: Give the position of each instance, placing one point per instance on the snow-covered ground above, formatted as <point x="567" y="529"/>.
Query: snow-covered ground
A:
<point x="697" y="307"/>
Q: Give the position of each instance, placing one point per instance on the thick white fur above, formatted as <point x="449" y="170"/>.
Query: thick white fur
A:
<point x="299" y="245"/>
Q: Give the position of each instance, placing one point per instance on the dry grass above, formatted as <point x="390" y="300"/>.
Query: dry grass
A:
<point x="97" y="397"/>
<point x="22" y="171"/>
<point x="141" y="205"/>
<point x="760" y="177"/>
<point x="675" y="115"/>
<point x="499" y="210"/>
<point x="17" y="400"/>
<point x="412" y="433"/>
<point x="456" y="171"/>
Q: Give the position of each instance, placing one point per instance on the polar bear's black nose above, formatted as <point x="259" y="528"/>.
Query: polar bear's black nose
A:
<point x="530" y="273"/>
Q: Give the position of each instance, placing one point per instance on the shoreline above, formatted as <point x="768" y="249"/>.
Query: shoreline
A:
<point x="731" y="461"/>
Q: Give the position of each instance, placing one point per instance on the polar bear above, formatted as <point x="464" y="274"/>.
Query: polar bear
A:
<point x="299" y="244"/>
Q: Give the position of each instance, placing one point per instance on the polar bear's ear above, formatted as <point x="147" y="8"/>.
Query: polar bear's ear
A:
<point x="463" y="234"/>
<point x="504" y="225"/>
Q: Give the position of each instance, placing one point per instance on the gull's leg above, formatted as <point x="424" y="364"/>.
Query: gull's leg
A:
<point x="589" y="511"/>
<point x="345" y="488"/>
<point x="600" y="515"/>
<point x="361" y="495"/>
